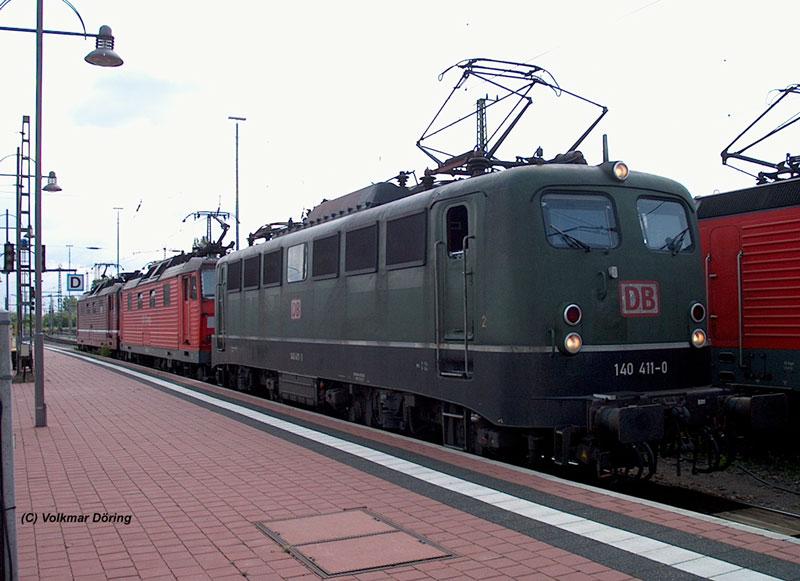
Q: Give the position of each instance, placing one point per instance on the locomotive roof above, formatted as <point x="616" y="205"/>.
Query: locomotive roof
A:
<point x="372" y="195"/>
<point x="168" y="269"/>
<point x="778" y="194"/>
<point x="549" y="175"/>
<point x="105" y="287"/>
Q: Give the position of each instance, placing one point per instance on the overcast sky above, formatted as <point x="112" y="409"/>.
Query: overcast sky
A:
<point x="337" y="93"/>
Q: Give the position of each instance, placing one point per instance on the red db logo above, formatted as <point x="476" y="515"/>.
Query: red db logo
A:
<point x="297" y="311"/>
<point x="639" y="298"/>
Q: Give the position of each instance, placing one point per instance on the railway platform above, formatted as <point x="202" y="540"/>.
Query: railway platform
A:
<point x="144" y="475"/>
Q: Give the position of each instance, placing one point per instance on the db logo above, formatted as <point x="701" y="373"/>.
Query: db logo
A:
<point x="639" y="298"/>
<point x="297" y="311"/>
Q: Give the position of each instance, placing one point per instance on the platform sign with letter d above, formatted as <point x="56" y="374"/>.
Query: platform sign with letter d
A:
<point x="75" y="283"/>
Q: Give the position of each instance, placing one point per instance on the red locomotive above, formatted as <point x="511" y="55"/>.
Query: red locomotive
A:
<point x="167" y="313"/>
<point x="751" y="241"/>
<point x="164" y="317"/>
<point x="98" y="316"/>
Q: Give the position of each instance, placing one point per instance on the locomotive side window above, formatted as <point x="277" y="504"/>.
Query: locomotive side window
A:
<point x="325" y="257"/>
<point x="272" y="268"/>
<point x="582" y="221"/>
<point x="296" y="263"/>
<point x="664" y="225"/>
<point x="457" y="229"/>
<point x="139" y="301"/>
<point x="234" y="275"/>
<point x="405" y="241"/>
<point x="252" y="266"/>
<point x="361" y="250"/>
<point x="153" y="299"/>
<point x="166" y="295"/>
<point x="130" y="301"/>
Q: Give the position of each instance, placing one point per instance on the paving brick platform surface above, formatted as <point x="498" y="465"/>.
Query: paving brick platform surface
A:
<point x="195" y="483"/>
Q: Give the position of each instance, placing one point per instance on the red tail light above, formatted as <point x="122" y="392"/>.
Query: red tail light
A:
<point x="573" y="315"/>
<point x="697" y="312"/>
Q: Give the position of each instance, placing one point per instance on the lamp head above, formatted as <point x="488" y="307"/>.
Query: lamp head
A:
<point x="52" y="184"/>
<point x="103" y="55"/>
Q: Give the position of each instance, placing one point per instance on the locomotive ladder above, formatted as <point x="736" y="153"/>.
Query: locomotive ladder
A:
<point x="25" y="297"/>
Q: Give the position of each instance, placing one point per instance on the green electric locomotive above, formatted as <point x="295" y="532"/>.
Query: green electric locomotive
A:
<point x="553" y="310"/>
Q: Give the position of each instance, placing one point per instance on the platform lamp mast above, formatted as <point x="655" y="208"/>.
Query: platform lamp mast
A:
<point x="236" y="213"/>
<point x="118" y="209"/>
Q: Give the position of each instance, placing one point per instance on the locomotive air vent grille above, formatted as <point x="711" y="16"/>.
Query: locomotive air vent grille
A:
<point x="350" y="542"/>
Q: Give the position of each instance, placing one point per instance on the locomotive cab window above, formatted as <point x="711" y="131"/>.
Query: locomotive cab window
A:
<point x="139" y="301"/>
<point x="296" y="263"/>
<point x="581" y="221"/>
<point x="273" y="261"/>
<point x="153" y="299"/>
<point x="457" y="229"/>
<point x="665" y="225"/>
<point x="166" y="295"/>
<point x="208" y="282"/>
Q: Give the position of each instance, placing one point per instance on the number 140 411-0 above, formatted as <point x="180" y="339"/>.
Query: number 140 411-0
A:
<point x="641" y="368"/>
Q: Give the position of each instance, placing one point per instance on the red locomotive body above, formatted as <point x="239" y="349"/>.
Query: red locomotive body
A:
<point x="168" y="313"/>
<point x="98" y="316"/>
<point x="751" y="240"/>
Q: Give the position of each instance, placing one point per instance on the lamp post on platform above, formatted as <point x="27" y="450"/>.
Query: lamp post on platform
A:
<point x="236" y="213"/>
<point x="103" y="56"/>
<point x="118" y="210"/>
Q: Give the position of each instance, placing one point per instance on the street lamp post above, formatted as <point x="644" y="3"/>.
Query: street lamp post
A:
<point x="118" y="209"/>
<point x="236" y="214"/>
<point x="103" y="56"/>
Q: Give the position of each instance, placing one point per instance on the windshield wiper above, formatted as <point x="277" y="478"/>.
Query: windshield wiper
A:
<point x="570" y="239"/>
<point x="674" y="244"/>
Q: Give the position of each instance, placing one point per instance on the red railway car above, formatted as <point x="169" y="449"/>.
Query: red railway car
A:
<point x="751" y="242"/>
<point x="167" y="314"/>
<point x="98" y="316"/>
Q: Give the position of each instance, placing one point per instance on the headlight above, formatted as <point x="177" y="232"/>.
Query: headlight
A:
<point x="573" y="315"/>
<point x="621" y="171"/>
<point x="697" y="312"/>
<point x="698" y="338"/>
<point x="573" y="343"/>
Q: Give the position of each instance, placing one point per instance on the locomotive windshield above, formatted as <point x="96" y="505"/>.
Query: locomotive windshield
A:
<point x="583" y="221"/>
<point x="664" y="225"/>
<point x="208" y="279"/>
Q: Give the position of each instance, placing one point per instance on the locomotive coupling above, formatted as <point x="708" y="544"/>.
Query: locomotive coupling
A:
<point x="763" y="413"/>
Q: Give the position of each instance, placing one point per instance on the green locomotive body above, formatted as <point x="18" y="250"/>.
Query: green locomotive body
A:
<point x="541" y="306"/>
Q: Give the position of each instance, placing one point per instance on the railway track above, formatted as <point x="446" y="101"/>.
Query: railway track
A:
<point x="679" y="495"/>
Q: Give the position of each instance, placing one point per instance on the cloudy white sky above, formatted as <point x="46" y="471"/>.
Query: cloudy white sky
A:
<point x="337" y="93"/>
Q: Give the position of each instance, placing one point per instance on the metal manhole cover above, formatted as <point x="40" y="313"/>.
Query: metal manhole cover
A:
<point x="350" y="542"/>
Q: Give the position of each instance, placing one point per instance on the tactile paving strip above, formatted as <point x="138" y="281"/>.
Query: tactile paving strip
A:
<point x="350" y="542"/>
